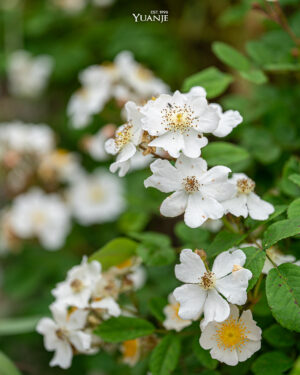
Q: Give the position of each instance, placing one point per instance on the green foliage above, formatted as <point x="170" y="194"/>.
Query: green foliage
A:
<point x="124" y="328"/>
<point x="223" y="241"/>
<point x="278" y="337"/>
<point x="133" y="221"/>
<point x="254" y="262"/>
<point x="156" y="306"/>
<point x="212" y="79"/>
<point x="283" y="293"/>
<point x="7" y="367"/>
<point x="115" y="252"/>
<point x="274" y="363"/>
<point x="231" y="56"/>
<point x="165" y="356"/>
<point x="192" y="237"/>
<point x="16" y="326"/>
<point x="204" y="356"/>
<point x="294" y="209"/>
<point x="288" y="186"/>
<point x="280" y="230"/>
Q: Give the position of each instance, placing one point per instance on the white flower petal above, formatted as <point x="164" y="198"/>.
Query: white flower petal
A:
<point x="191" y="299"/>
<point x="172" y="142"/>
<point x="193" y="142"/>
<point x="190" y="167"/>
<point x="224" y="262"/>
<point x="191" y="267"/>
<point x="208" y="336"/>
<point x="208" y="121"/>
<point x="236" y="206"/>
<point x="108" y="304"/>
<point x="165" y="177"/>
<point x="228" y="356"/>
<point x="63" y="355"/>
<point x="253" y="331"/>
<point x="80" y="340"/>
<point x="216" y="308"/>
<point x="258" y="208"/>
<point x="126" y="152"/>
<point x="175" y="204"/>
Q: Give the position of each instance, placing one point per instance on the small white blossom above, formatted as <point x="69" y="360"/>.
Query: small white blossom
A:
<point x="173" y="320"/>
<point x="97" y="198"/>
<point x="228" y="120"/>
<point x="178" y="122"/>
<point x="205" y="290"/>
<point x="95" y="144"/>
<point x="63" y="332"/>
<point x="197" y="191"/>
<point x="234" y="340"/>
<point x="246" y="202"/>
<point x="36" y="214"/>
<point x="28" y="75"/>
<point x="131" y="350"/>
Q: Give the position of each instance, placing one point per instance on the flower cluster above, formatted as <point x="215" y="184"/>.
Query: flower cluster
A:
<point x="122" y="80"/>
<point x="173" y="127"/>
<point x="86" y="298"/>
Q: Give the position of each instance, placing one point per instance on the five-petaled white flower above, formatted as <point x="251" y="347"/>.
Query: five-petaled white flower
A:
<point x="203" y="289"/>
<point x="63" y="333"/>
<point x="228" y="120"/>
<point x="246" y="202"/>
<point x="234" y="340"/>
<point x="197" y="191"/>
<point x="173" y="320"/>
<point x="178" y="122"/>
<point x="126" y="140"/>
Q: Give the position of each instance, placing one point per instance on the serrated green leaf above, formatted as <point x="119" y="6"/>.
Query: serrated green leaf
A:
<point x="115" y="252"/>
<point x="256" y="76"/>
<point x="294" y="209"/>
<point x="283" y="294"/>
<point x="231" y="56"/>
<point x="280" y="230"/>
<point x="17" y="326"/>
<point x="223" y="153"/>
<point x="124" y="328"/>
<point x="156" y="306"/>
<point x="165" y="356"/>
<point x="212" y="79"/>
<point x="254" y="262"/>
<point x="272" y="363"/>
<point x="7" y="367"/>
<point x="223" y="241"/>
<point x="204" y="356"/>
<point x="278" y="337"/>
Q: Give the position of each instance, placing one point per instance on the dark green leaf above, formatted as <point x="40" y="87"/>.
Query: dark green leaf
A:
<point x="278" y="336"/>
<point x="223" y="241"/>
<point x="256" y="76"/>
<point x="255" y="262"/>
<point x="165" y="356"/>
<point x="295" y="178"/>
<point x="231" y="56"/>
<point x="294" y="209"/>
<point x="204" y="356"/>
<point x="192" y="237"/>
<point x="280" y="230"/>
<point x="156" y="306"/>
<point x="272" y="363"/>
<point x="133" y="221"/>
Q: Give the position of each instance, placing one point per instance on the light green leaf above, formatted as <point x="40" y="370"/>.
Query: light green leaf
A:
<point x="294" y="209"/>
<point x="132" y="221"/>
<point x="212" y="79"/>
<point x="274" y="363"/>
<point x="7" y="367"/>
<point x="165" y="356"/>
<point x="17" y="326"/>
<point x="124" y="328"/>
<point x="283" y="294"/>
<point x="204" y="356"/>
<point x="224" y="240"/>
<point x="231" y="56"/>
<point x="278" y="337"/>
<point x="256" y="76"/>
<point x="156" y="306"/>
<point x="295" y="178"/>
<point x="223" y="153"/>
<point x="280" y="230"/>
<point x="115" y="252"/>
<point x="254" y="262"/>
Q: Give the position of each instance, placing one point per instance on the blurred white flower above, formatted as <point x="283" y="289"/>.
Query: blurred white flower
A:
<point x="70" y="6"/>
<point x="246" y="202"/>
<point x="173" y="320"/>
<point x="63" y="333"/>
<point x="45" y="216"/>
<point x="97" y="198"/>
<point x="205" y="290"/>
<point x="103" y="3"/>
<point x="213" y="225"/>
<point x="131" y="350"/>
<point x="28" y="75"/>
<point x="95" y="144"/>
<point x="234" y="340"/>
<point x="178" y="122"/>
<point x="228" y="120"/>
<point x="197" y="191"/>
<point x="278" y="258"/>
<point x="77" y="289"/>
<point x="126" y="140"/>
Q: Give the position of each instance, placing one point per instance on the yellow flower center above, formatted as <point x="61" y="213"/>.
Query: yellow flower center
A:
<point x="177" y="118"/>
<point x="208" y="280"/>
<point x="77" y="285"/>
<point x="231" y="334"/>
<point x="126" y="264"/>
<point x="123" y="136"/>
<point x="96" y="194"/>
<point x="191" y="184"/>
<point x="176" y="308"/>
<point x="245" y="185"/>
<point x="130" y="348"/>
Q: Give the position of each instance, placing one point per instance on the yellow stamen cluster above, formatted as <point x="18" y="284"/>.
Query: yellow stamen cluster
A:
<point x="191" y="184"/>
<point x="176" y="118"/>
<point x="231" y="334"/>
<point x="123" y="136"/>
<point x="245" y="185"/>
<point x="208" y="280"/>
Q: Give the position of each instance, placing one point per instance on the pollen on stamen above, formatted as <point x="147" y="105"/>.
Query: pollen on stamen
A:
<point x="208" y="280"/>
<point x="123" y="136"/>
<point x="178" y="118"/>
<point x="191" y="184"/>
<point x="245" y="185"/>
<point x="231" y="334"/>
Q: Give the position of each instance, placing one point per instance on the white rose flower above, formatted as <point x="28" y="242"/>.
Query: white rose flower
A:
<point x="234" y="340"/>
<point x="204" y="290"/>
<point x="127" y="138"/>
<point x="173" y="320"/>
<point x="278" y="258"/>
<point x="246" y="202"/>
<point x="97" y="198"/>
<point x="64" y="332"/>
<point x="77" y="289"/>
<point x="178" y="122"/>
<point x="197" y="191"/>
<point x="45" y="216"/>
<point x="228" y="120"/>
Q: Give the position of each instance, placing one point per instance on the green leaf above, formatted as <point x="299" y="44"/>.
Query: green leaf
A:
<point x="17" y="326"/>
<point x="6" y="366"/>
<point x="295" y="178"/>
<point x="212" y="79"/>
<point x="223" y="241"/>
<point x="204" y="356"/>
<point x="115" y="252"/>
<point x="133" y="221"/>
<point x="283" y="294"/>
<point x="156" y="306"/>
<point x="280" y="230"/>
<point x="231" y="56"/>
<point x="288" y="186"/>
<point x="165" y="356"/>
<point x="278" y="337"/>
<point x="254" y="262"/>
<point x="192" y="237"/>
<point x="256" y="76"/>
<point x="124" y="328"/>
<point x="223" y="153"/>
<point x="272" y="363"/>
<point x="294" y="209"/>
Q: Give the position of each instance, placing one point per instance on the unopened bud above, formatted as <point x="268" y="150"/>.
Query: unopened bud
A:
<point x="202" y="254"/>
